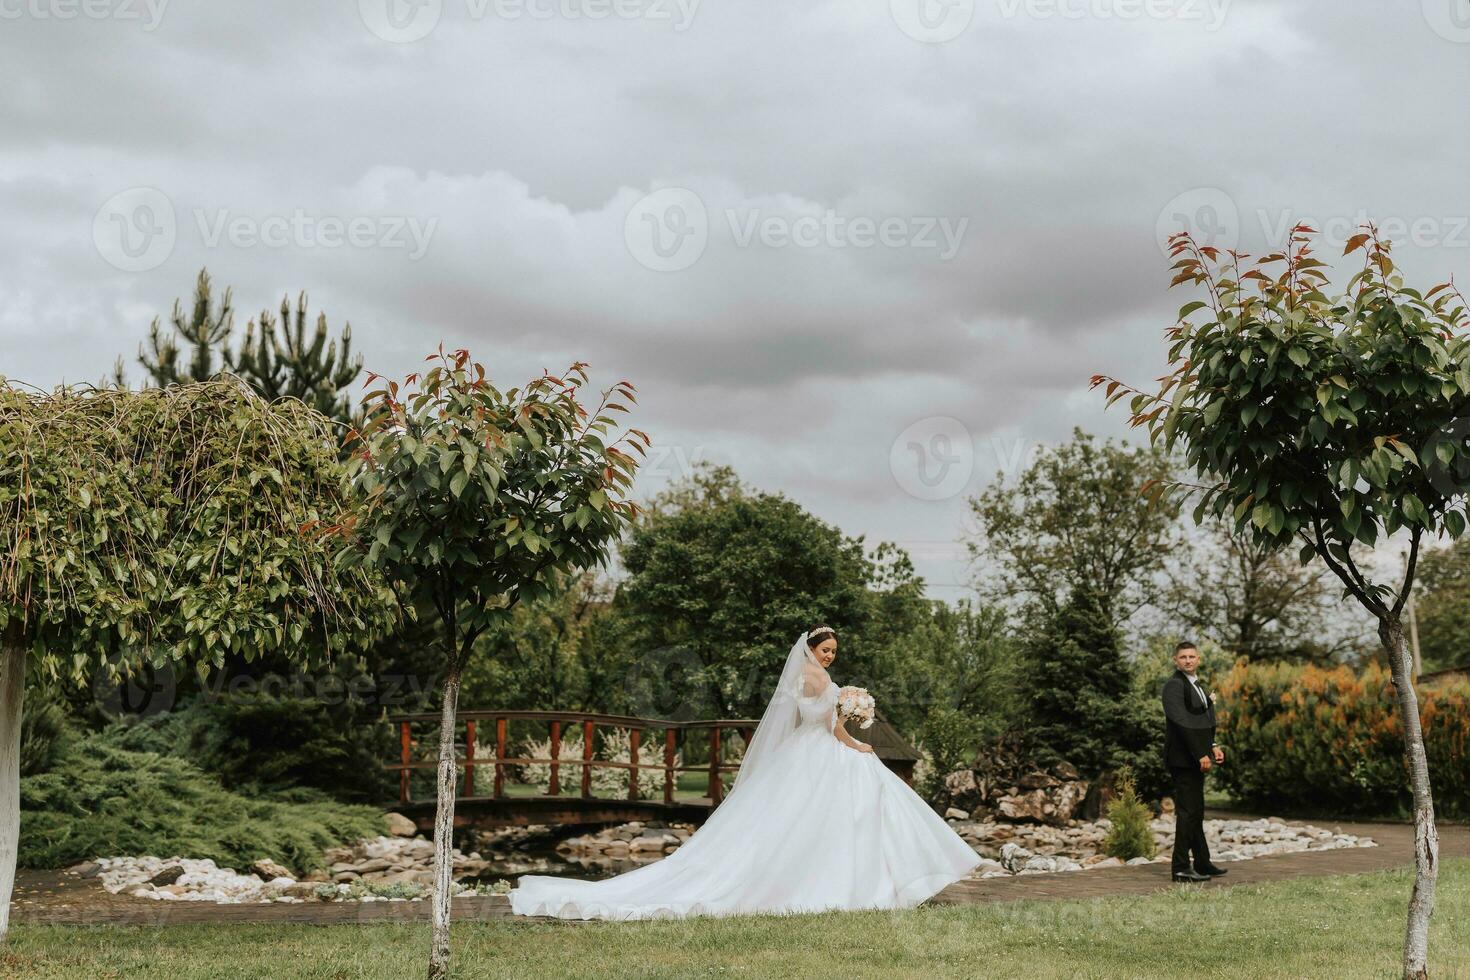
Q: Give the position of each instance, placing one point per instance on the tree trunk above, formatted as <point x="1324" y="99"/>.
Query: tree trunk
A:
<point x="1426" y="838"/>
<point x="12" y="697"/>
<point x="444" y="828"/>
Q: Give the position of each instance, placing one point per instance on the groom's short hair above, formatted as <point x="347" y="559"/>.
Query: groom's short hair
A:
<point x="1184" y="645"/>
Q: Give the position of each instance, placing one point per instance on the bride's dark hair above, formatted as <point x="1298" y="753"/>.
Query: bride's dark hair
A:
<point x="817" y="634"/>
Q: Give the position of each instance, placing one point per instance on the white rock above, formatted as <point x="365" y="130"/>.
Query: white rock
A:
<point x="266" y="869"/>
<point x="1013" y="856"/>
<point x="401" y="826"/>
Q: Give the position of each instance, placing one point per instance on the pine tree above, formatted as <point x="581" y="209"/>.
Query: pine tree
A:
<point x="279" y="359"/>
<point x="276" y="357"/>
<point x="1083" y="706"/>
<point x="207" y="332"/>
<point x="1131" y="835"/>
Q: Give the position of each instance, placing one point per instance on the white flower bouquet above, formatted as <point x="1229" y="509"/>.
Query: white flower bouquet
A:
<point x="856" y="702"/>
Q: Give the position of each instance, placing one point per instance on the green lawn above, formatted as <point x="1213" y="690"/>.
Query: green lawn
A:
<point x="1337" y="928"/>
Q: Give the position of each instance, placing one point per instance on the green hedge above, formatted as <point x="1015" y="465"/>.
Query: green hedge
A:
<point x="102" y="801"/>
<point x="1310" y="739"/>
<point x="256" y="741"/>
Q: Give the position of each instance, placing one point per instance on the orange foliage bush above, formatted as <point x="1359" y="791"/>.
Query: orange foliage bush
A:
<point x="1317" y="739"/>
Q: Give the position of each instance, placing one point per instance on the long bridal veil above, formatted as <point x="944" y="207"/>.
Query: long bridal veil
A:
<point x="783" y="712"/>
<point x="810" y="825"/>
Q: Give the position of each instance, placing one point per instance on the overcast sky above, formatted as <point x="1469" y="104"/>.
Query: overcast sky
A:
<point x="866" y="252"/>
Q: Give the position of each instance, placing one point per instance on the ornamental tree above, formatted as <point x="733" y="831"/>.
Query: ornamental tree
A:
<point x="475" y="499"/>
<point x="1326" y="423"/>
<point x="164" y="525"/>
<point x="720" y="574"/>
<point x="1072" y="523"/>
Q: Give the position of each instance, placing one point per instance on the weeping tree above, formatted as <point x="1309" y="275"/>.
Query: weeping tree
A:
<point x="475" y="499"/>
<point x="163" y="527"/>
<point x="1330" y="423"/>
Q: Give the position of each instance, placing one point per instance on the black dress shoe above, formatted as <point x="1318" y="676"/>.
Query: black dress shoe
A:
<point x="1212" y="871"/>
<point x="1190" y="876"/>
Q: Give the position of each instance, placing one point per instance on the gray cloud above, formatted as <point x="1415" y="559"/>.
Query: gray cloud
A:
<point x="1059" y="140"/>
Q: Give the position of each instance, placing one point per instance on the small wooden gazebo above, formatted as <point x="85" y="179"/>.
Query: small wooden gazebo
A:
<point x="891" y="747"/>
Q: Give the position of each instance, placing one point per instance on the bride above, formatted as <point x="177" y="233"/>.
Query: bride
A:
<point x="814" y="821"/>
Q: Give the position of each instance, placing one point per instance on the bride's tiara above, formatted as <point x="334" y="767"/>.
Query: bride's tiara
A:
<point x="819" y="631"/>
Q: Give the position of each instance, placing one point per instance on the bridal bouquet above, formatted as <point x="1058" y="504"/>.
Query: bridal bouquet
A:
<point x="856" y="702"/>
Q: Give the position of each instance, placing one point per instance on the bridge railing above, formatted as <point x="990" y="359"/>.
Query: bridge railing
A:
<point x="675" y="732"/>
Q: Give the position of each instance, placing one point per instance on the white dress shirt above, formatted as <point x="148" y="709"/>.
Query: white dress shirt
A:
<point x="1194" y="683"/>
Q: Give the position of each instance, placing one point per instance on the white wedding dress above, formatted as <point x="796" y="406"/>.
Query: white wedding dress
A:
<point x="813" y="826"/>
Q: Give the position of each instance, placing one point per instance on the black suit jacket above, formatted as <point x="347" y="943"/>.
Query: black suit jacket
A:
<point x="1189" y="726"/>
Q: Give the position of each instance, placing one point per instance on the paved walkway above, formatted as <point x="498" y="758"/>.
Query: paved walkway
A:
<point x="52" y="897"/>
<point x="1395" y="849"/>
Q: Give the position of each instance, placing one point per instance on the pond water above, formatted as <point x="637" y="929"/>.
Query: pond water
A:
<point x="517" y="851"/>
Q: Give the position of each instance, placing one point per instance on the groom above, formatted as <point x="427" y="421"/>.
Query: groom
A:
<point x="1189" y="752"/>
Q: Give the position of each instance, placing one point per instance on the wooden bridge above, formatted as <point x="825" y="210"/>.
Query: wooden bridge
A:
<point x="499" y="808"/>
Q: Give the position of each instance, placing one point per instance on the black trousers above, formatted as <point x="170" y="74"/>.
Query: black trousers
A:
<point x="1189" y="820"/>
